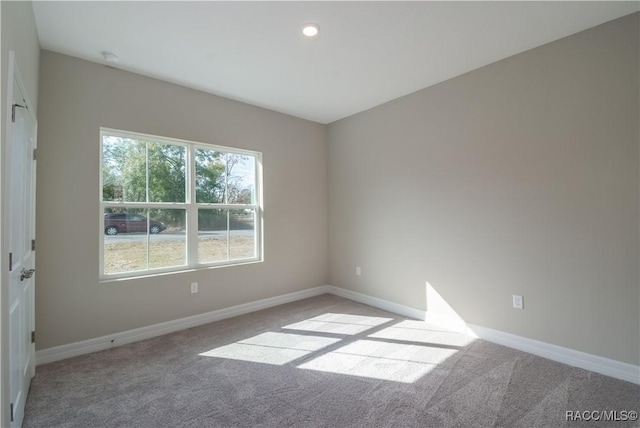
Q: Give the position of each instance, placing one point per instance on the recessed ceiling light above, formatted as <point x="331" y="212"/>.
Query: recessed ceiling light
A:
<point x="111" y="58"/>
<point x="310" y="30"/>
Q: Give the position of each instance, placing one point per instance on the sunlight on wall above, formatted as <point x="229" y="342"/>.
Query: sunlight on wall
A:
<point x="440" y="313"/>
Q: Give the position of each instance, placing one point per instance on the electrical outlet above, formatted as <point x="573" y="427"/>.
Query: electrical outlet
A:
<point x="358" y="271"/>
<point x="194" y="287"/>
<point x="518" y="302"/>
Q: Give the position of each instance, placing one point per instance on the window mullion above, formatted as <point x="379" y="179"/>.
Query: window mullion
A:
<point x="228" y="236"/>
<point x="148" y="238"/>
<point x="226" y="179"/>
<point x="146" y="162"/>
<point x="151" y="205"/>
<point x="192" y="210"/>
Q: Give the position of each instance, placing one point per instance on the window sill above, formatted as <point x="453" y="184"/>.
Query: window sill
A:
<point x="155" y="274"/>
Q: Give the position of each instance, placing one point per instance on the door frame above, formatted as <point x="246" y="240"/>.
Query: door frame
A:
<point x="13" y="74"/>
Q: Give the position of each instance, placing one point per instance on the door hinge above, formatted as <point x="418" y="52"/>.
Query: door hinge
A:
<point x="13" y="111"/>
<point x="11" y="412"/>
<point x="33" y="245"/>
<point x="33" y="336"/>
<point x="10" y="261"/>
<point x="34" y="154"/>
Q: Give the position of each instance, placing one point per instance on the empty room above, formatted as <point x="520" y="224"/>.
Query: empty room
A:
<point x="320" y="214"/>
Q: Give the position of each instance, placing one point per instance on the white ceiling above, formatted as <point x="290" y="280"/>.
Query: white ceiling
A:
<point x="367" y="52"/>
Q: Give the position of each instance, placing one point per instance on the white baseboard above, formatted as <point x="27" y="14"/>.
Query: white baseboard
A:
<point x="594" y="363"/>
<point x="376" y="302"/>
<point x="62" y="352"/>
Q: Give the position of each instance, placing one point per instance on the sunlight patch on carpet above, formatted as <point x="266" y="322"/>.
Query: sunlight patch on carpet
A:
<point x="271" y="348"/>
<point x="381" y="360"/>
<point x="420" y="332"/>
<point x="338" y="324"/>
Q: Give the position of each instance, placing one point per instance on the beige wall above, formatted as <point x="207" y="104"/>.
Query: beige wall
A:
<point x="19" y="35"/>
<point x="76" y="99"/>
<point x="521" y="177"/>
<point x="517" y="178"/>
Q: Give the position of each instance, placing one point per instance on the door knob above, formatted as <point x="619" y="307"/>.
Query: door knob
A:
<point x="26" y="273"/>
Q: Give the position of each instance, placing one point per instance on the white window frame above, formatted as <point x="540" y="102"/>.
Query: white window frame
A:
<point x="190" y="206"/>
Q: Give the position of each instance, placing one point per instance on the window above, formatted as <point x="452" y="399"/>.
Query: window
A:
<point x="169" y="205"/>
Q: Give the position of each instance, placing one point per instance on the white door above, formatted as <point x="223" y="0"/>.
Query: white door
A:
<point x="19" y="177"/>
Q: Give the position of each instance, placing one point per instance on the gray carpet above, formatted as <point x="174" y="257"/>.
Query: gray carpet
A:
<point x="319" y="362"/>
